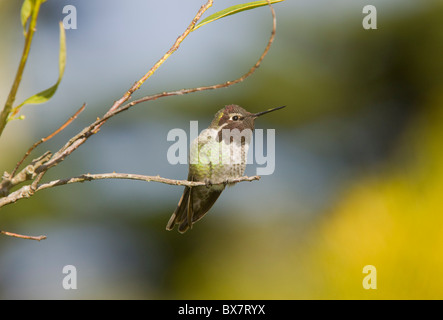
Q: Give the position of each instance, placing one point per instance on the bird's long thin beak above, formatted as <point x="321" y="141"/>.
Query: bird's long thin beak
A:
<point x="258" y="114"/>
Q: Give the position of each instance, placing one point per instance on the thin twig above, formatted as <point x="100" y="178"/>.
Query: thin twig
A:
<point x="47" y="138"/>
<point x="212" y="87"/>
<point x="174" y="48"/>
<point x="21" y="236"/>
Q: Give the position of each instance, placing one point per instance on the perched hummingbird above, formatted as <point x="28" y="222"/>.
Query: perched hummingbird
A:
<point x="217" y="155"/>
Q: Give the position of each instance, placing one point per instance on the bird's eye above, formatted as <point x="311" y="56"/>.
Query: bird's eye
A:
<point x="235" y="118"/>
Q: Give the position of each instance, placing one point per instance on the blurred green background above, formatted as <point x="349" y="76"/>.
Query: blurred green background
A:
<point x="358" y="178"/>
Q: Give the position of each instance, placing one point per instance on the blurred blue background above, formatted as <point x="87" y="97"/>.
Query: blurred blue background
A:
<point x="358" y="153"/>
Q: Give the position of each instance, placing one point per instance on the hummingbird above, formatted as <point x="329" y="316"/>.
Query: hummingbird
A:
<point x="217" y="155"/>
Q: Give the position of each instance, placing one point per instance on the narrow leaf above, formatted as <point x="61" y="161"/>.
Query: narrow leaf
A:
<point x="45" y="95"/>
<point x="62" y="52"/>
<point x="26" y="13"/>
<point x="233" y="10"/>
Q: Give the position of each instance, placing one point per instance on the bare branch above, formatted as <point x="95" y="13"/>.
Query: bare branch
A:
<point x="21" y="236"/>
<point x="91" y="177"/>
<point x="27" y="191"/>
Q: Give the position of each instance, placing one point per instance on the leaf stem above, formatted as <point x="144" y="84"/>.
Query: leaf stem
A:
<point x="18" y="77"/>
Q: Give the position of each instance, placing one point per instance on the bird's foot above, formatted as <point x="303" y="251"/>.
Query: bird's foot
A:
<point x="228" y="181"/>
<point x="208" y="183"/>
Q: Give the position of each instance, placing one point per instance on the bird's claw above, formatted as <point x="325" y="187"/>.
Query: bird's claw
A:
<point x="208" y="183"/>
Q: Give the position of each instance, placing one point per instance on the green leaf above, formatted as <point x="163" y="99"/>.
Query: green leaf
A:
<point x="233" y="10"/>
<point x="45" y="95"/>
<point x="26" y="12"/>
